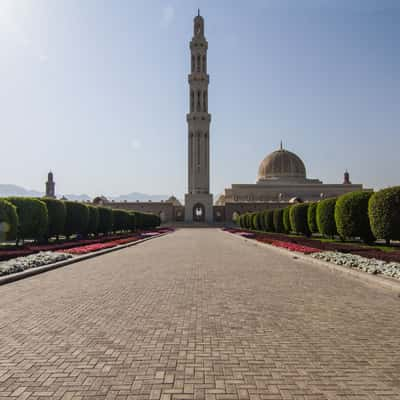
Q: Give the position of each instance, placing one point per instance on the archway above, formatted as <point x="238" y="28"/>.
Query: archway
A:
<point x="199" y="213"/>
<point x="235" y="216"/>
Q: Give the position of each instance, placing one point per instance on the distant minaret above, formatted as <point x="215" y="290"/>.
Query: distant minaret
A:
<point x="50" y="186"/>
<point x="346" y="180"/>
<point x="198" y="200"/>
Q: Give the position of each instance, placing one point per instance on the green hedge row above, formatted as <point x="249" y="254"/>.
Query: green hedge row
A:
<point x="364" y="215"/>
<point x="39" y="219"/>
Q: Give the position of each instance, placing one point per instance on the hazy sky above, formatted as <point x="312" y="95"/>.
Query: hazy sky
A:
<point x="97" y="91"/>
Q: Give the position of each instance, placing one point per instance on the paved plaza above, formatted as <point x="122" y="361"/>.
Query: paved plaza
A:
<point x="198" y="314"/>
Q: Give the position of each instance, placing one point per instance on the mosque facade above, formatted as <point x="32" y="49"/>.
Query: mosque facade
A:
<point x="281" y="177"/>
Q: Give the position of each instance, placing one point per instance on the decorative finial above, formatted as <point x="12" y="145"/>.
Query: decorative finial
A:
<point x="198" y="12"/>
<point x="281" y="145"/>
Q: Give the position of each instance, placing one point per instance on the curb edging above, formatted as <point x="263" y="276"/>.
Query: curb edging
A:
<point x="385" y="281"/>
<point x="49" y="267"/>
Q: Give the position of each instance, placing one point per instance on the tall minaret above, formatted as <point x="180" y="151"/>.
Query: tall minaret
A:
<point x="198" y="200"/>
<point x="50" y="186"/>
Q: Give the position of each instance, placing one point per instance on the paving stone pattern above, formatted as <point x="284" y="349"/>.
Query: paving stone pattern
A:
<point x="198" y="314"/>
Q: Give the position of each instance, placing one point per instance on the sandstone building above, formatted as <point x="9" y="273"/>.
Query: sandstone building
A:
<point x="281" y="177"/>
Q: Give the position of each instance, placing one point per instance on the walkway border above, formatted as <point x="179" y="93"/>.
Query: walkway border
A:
<point x="365" y="277"/>
<point x="49" y="267"/>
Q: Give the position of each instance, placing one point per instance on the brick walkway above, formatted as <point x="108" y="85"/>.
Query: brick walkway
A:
<point x="197" y="314"/>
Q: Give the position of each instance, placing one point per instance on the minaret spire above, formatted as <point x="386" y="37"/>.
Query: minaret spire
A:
<point x="281" y="145"/>
<point x="198" y="200"/>
<point x="50" y="186"/>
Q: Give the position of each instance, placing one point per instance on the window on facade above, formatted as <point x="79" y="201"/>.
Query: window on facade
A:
<point x="198" y="101"/>
<point x="198" y="63"/>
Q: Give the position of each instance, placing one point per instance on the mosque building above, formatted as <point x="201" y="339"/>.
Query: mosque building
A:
<point x="281" y="177"/>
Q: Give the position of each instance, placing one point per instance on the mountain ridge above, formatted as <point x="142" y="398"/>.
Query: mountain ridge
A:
<point x="7" y="190"/>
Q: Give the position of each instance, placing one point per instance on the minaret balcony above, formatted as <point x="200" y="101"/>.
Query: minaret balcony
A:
<point x="198" y="116"/>
<point x="198" y="77"/>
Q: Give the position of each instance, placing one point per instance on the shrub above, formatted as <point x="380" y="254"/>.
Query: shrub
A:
<point x="312" y="217"/>
<point x="8" y="220"/>
<point x="384" y="213"/>
<point x="121" y="220"/>
<point x="94" y="219"/>
<point x="278" y="220"/>
<point x="254" y="221"/>
<point x="269" y="220"/>
<point x="57" y="214"/>
<point x="243" y="221"/>
<point x="298" y="219"/>
<point x="326" y="217"/>
<point x="32" y="217"/>
<point x="147" y="221"/>
<point x="351" y="216"/>
<point x="260" y="221"/>
<point x="286" y="219"/>
<point x="132" y="221"/>
<point x="248" y="221"/>
<point x="105" y="220"/>
<point x="77" y="218"/>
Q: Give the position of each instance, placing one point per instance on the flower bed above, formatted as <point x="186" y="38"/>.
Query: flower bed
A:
<point x="99" y="246"/>
<point x="294" y="247"/>
<point x="31" y="261"/>
<point x="370" y="265"/>
<point x="13" y="251"/>
<point x="364" y="251"/>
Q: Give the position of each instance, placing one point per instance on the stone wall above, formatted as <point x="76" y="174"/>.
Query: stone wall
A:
<point x="163" y="209"/>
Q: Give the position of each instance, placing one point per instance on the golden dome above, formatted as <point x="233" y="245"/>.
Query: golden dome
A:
<point x="281" y="164"/>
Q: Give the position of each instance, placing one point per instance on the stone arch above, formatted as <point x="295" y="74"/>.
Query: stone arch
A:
<point x="235" y="215"/>
<point x="199" y="213"/>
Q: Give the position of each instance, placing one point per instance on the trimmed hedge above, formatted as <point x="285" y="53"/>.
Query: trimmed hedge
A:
<point x="57" y="215"/>
<point x="77" y="220"/>
<point x="278" y="220"/>
<point x="384" y="213"/>
<point x="132" y="221"/>
<point x="254" y="221"/>
<point x="147" y="221"/>
<point x="122" y="220"/>
<point x="351" y="216"/>
<point x="298" y="219"/>
<point x="94" y="220"/>
<point x="269" y="221"/>
<point x="286" y="219"/>
<point x="312" y="217"/>
<point x="326" y="217"/>
<point x="8" y="220"/>
<point x="105" y="225"/>
<point x="32" y="217"/>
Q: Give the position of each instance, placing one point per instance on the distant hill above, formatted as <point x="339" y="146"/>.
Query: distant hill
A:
<point x="76" y="197"/>
<point x="14" y="190"/>
<point x="135" y="196"/>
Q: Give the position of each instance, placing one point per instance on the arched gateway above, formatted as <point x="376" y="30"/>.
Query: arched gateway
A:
<point x="199" y="213"/>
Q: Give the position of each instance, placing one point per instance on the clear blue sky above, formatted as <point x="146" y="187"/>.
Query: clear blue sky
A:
<point x="97" y="91"/>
